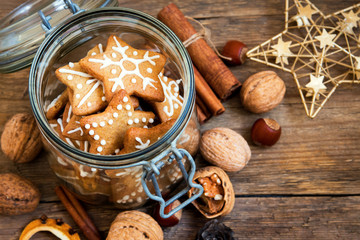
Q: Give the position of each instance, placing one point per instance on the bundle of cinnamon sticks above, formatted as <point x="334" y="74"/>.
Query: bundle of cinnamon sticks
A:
<point x="211" y="74"/>
<point x="78" y="213"/>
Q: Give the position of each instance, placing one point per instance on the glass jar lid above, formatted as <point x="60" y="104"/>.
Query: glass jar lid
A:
<point x="24" y="29"/>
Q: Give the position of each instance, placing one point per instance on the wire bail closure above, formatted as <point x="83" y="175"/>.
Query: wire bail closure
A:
<point x="45" y="24"/>
<point x="153" y="168"/>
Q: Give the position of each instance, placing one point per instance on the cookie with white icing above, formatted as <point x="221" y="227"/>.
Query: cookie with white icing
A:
<point x="87" y="92"/>
<point x="73" y="129"/>
<point x="127" y="191"/>
<point x="57" y="125"/>
<point x="57" y="105"/>
<point x="105" y="131"/>
<point x="170" y="108"/>
<point x="140" y="138"/>
<point x="124" y="67"/>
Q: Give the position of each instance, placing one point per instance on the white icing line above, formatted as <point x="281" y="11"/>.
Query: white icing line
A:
<point x="76" y="130"/>
<point x="142" y="145"/>
<point x="81" y="74"/>
<point x="53" y="102"/>
<point x="92" y="90"/>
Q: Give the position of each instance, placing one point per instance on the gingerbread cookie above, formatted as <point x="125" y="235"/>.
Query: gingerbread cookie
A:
<point x="73" y="129"/>
<point x="170" y="108"/>
<point x="105" y="131"/>
<point x="140" y="138"/>
<point x="58" y="127"/>
<point x="87" y="92"/>
<point x="56" y="105"/>
<point x="127" y="191"/>
<point x="124" y="67"/>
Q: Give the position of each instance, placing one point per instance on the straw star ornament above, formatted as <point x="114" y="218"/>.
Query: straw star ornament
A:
<point x="321" y="52"/>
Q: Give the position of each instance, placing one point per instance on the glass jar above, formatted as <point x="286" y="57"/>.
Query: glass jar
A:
<point x="125" y="180"/>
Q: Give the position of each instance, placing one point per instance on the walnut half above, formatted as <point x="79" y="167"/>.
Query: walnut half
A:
<point x="218" y="197"/>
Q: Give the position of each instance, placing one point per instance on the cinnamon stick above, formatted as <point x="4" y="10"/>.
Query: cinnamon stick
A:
<point x="200" y="114"/>
<point x="83" y="214"/>
<point x="89" y="234"/>
<point x="204" y="91"/>
<point x="202" y="106"/>
<point x="209" y="64"/>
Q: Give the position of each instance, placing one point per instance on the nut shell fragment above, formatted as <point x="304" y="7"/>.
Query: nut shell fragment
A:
<point x="135" y="225"/>
<point x="55" y="226"/>
<point x="228" y="200"/>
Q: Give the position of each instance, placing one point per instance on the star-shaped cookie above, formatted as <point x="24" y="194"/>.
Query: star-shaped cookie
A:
<point x="56" y="105"/>
<point x="170" y="108"/>
<point x="71" y="122"/>
<point x="124" y="67"/>
<point x="105" y="131"/>
<point x="140" y="138"/>
<point x="87" y="93"/>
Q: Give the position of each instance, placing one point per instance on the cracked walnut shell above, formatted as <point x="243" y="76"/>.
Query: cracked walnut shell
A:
<point x="21" y="140"/>
<point x="262" y="92"/>
<point x="218" y="198"/>
<point x="135" y="225"/>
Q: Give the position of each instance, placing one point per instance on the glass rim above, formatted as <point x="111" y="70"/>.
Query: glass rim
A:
<point x="113" y="161"/>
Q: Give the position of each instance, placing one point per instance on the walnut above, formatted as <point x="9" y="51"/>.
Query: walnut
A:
<point x="262" y="92"/>
<point x="21" y="140"/>
<point x="135" y="225"/>
<point x="17" y="195"/>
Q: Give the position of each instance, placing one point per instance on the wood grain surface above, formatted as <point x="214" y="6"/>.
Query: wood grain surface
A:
<point x="307" y="186"/>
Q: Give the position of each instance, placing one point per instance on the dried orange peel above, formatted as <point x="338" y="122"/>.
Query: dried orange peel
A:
<point x="56" y="226"/>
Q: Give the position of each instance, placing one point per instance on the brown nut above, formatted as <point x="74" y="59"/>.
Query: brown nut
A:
<point x="173" y="219"/>
<point x="262" y="92"/>
<point x="265" y="132"/>
<point x="135" y="225"/>
<point x="21" y="140"/>
<point x="17" y="195"/>
<point x="218" y="198"/>
<point x="225" y="148"/>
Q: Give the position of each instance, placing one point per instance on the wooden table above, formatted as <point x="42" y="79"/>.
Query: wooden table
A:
<point x="306" y="186"/>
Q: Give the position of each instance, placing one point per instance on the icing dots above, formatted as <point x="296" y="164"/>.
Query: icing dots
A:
<point x="123" y="109"/>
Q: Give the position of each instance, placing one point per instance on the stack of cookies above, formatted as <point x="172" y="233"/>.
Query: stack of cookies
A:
<point x="117" y="100"/>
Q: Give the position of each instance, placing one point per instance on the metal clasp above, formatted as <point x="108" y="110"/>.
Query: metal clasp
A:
<point x="153" y="168"/>
<point x="45" y="19"/>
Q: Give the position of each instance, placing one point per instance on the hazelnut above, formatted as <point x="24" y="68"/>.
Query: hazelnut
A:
<point x="265" y="132"/>
<point x="170" y="221"/>
<point x="21" y="140"/>
<point x="262" y="92"/>
<point x="235" y="50"/>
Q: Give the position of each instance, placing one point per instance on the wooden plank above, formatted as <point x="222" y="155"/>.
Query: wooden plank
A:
<point x="252" y="218"/>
